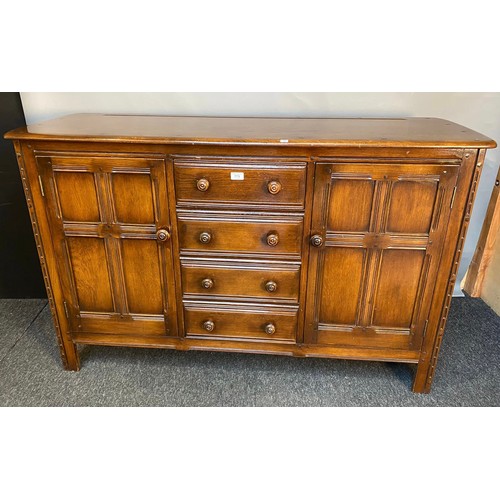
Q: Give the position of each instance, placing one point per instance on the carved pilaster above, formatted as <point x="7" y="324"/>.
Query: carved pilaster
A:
<point x="41" y="255"/>
<point x="453" y="276"/>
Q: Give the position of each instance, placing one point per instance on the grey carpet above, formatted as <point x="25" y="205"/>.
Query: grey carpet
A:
<point x="468" y="372"/>
<point x="15" y="318"/>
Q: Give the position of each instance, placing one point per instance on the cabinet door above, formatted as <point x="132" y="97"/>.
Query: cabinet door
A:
<point x="379" y="231"/>
<point x="111" y="231"/>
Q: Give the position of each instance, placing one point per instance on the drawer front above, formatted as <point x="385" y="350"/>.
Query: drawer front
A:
<point x="281" y="185"/>
<point x="258" y="323"/>
<point x="241" y="280"/>
<point x="272" y="237"/>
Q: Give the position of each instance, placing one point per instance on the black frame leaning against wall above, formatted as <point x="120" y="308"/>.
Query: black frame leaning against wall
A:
<point x="20" y="274"/>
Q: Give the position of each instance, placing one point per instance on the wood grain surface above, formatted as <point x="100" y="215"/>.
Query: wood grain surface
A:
<point x="405" y="132"/>
<point x="303" y="237"/>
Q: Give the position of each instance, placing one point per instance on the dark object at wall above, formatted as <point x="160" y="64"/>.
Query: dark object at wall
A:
<point x="20" y="275"/>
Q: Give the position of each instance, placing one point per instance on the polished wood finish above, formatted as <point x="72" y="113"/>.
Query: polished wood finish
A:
<point x="260" y="281"/>
<point x="381" y="259"/>
<point x="304" y="237"/>
<point x="445" y="281"/>
<point x="41" y="229"/>
<point x="238" y="321"/>
<point x="221" y="233"/>
<point x="240" y="183"/>
<point x="195" y="130"/>
<point x="485" y="246"/>
<point x="112" y="245"/>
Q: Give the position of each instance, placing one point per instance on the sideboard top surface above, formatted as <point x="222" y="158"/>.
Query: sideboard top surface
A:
<point x="357" y="132"/>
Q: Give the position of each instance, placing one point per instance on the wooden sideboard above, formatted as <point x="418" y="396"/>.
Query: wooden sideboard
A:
<point x="337" y="238"/>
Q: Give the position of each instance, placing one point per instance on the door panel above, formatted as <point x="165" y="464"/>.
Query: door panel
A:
<point x="411" y="206"/>
<point x="339" y="293"/>
<point x="90" y="273"/>
<point x="77" y="196"/>
<point x="110" y="222"/>
<point x="343" y="192"/>
<point x="133" y="201"/>
<point x="397" y="287"/>
<point x="382" y="226"/>
<point x="142" y="275"/>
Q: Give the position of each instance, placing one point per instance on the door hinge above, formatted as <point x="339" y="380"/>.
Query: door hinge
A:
<point x="41" y="185"/>
<point x="425" y="328"/>
<point x="66" y="309"/>
<point x="453" y="197"/>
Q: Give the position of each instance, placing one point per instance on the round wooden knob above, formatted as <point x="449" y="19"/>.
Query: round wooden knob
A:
<point x="202" y="184"/>
<point x="209" y="326"/>
<point x="205" y="237"/>
<point x="274" y="187"/>
<point x="272" y="239"/>
<point x="271" y="286"/>
<point x="162" y="235"/>
<point x="316" y="240"/>
<point x="270" y="329"/>
<point x="207" y="283"/>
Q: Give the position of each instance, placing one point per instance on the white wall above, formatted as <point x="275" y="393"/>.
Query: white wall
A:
<point x="479" y="111"/>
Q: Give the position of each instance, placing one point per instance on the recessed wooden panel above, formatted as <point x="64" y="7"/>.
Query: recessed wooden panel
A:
<point x="77" y="196"/>
<point x="411" y="206"/>
<point x="133" y="198"/>
<point x="341" y="285"/>
<point x="142" y="274"/>
<point x="397" y="289"/>
<point x="350" y="205"/>
<point x="90" y="272"/>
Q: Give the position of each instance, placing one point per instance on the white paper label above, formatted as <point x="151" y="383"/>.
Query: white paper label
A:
<point x="237" y="176"/>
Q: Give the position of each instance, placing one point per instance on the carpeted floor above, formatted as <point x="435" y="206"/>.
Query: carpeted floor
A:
<point x="468" y="372"/>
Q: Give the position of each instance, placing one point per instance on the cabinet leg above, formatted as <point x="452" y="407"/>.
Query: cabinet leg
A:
<point x="67" y="348"/>
<point x="422" y="381"/>
<point x="72" y="362"/>
<point x="69" y="354"/>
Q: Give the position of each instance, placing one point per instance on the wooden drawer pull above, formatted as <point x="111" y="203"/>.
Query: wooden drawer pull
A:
<point x="316" y="240"/>
<point x="271" y="286"/>
<point x="209" y="326"/>
<point x="272" y="239"/>
<point x="207" y="283"/>
<point x="163" y="235"/>
<point x="205" y="237"/>
<point x="274" y="187"/>
<point x="202" y="184"/>
<point x="270" y="329"/>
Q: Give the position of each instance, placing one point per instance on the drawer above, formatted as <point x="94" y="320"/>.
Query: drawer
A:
<point x="259" y="323"/>
<point x="238" y="279"/>
<point x="221" y="233"/>
<point x="240" y="183"/>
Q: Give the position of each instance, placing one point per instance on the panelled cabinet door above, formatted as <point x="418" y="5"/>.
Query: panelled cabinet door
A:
<point x="376" y="242"/>
<point x="111" y="231"/>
